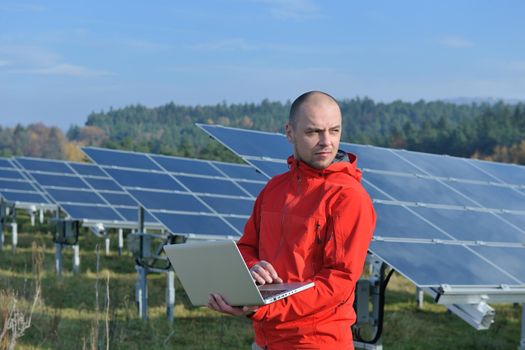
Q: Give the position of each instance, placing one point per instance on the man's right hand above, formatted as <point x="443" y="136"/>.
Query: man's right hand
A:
<point x="263" y="272"/>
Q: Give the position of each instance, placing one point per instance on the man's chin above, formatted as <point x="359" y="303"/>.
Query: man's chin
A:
<point x="320" y="165"/>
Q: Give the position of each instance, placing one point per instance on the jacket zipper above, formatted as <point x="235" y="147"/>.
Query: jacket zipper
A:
<point x="283" y="214"/>
<point x="318" y="242"/>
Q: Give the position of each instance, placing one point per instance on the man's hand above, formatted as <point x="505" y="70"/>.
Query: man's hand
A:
<point x="263" y="272"/>
<point x="216" y="302"/>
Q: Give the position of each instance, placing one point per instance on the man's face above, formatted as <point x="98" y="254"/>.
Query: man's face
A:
<point x="316" y="133"/>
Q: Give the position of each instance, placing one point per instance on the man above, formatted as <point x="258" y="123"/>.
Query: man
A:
<point x="312" y="223"/>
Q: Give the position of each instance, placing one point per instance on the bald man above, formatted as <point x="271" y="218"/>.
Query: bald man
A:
<point x="312" y="223"/>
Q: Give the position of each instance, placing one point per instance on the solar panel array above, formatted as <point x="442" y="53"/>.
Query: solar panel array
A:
<point x="83" y="192"/>
<point x="18" y="189"/>
<point x="196" y="198"/>
<point x="441" y="220"/>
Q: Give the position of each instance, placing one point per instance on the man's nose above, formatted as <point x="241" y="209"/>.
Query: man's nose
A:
<point x="324" y="138"/>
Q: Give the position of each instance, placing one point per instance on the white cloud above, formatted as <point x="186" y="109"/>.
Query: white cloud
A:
<point x="144" y="45"/>
<point x="64" y="69"/>
<point x="242" y="45"/>
<point x="298" y="10"/>
<point x="517" y="66"/>
<point x="455" y="42"/>
<point x="232" y="44"/>
<point x="17" y="7"/>
<point x="40" y="61"/>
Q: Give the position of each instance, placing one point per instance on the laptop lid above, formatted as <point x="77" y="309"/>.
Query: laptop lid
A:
<point x="218" y="267"/>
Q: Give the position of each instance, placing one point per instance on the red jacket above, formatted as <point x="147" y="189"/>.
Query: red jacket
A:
<point x="311" y="225"/>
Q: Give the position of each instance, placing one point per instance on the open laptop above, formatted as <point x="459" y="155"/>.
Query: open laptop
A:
<point x="218" y="267"/>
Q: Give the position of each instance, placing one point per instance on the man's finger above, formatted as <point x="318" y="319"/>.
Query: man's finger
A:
<point x="265" y="274"/>
<point x="271" y="272"/>
<point x="212" y="304"/>
<point x="249" y="309"/>
<point x="260" y="275"/>
<point x="257" y="278"/>
<point x="221" y="303"/>
<point x="227" y="308"/>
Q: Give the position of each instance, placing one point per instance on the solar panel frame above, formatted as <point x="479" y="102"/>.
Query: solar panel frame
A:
<point x="412" y="171"/>
<point x="19" y="190"/>
<point x="79" y="199"/>
<point x="209" y="183"/>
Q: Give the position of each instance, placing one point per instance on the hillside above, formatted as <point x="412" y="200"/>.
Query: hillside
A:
<point x="493" y="131"/>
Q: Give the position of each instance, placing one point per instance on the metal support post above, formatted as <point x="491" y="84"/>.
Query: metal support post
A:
<point x="359" y="345"/>
<point x="41" y="216"/>
<point x="420" y="297"/>
<point x="14" y="237"/>
<point x="3" y="221"/>
<point x="141" y="292"/>
<point x="371" y="289"/>
<point x="522" y="342"/>
<point x="76" y="258"/>
<point x="170" y="294"/>
<point x="140" y="218"/>
<point x="120" y="241"/>
<point x="107" y="241"/>
<point x="32" y="216"/>
<point x="2" y="237"/>
<point x="58" y="259"/>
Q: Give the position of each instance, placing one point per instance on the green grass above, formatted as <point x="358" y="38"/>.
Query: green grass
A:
<point x="66" y="317"/>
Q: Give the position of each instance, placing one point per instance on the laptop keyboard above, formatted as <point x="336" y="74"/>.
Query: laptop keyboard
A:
<point x="270" y="293"/>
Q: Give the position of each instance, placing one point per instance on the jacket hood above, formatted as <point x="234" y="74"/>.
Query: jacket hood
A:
<point x="344" y="163"/>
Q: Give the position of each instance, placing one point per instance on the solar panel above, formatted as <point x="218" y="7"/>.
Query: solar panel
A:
<point x="235" y="171"/>
<point x="411" y="188"/>
<point x="182" y="202"/>
<point x="433" y="264"/>
<point x="185" y="166"/>
<point x="6" y="164"/>
<point x="16" y="188"/>
<point x="509" y="258"/>
<point x="443" y="166"/>
<point x="215" y="186"/>
<point x="10" y="174"/>
<point x="191" y="197"/>
<point x="124" y="160"/>
<point x="82" y="191"/>
<point x="471" y="225"/>
<point x="441" y="219"/>
<point x="504" y="173"/>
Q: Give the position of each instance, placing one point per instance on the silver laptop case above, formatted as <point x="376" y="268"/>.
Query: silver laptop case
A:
<point x="218" y="267"/>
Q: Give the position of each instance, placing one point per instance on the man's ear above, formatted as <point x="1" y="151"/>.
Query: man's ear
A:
<point x="288" y="131"/>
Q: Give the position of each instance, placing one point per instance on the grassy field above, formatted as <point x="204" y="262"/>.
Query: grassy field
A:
<point x="69" y="314"/>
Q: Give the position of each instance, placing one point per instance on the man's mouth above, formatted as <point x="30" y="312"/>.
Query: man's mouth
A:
<point x="323" y="153"/>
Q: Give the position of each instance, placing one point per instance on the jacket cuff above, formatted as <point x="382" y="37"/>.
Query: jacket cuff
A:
<point x="259" y="314"/>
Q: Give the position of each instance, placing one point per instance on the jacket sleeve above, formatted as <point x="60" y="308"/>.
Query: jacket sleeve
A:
<point x="344" y="254"/>
<point x="249" y="242"/>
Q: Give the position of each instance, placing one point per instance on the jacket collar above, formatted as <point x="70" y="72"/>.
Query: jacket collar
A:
<point x="344" y="163"/>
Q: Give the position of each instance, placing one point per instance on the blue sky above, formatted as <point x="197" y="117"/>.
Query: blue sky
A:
<point x="61" y="60"/>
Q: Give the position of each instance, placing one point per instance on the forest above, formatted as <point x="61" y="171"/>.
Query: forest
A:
<point x="486" y="131"/>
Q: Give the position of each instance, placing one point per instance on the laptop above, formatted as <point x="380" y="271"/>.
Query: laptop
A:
<point x="218" y="267"/>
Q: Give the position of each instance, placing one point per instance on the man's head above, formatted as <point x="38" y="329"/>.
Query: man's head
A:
<point x="314" y="128"/>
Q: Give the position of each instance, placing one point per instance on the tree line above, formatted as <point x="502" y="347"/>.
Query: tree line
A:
<point x="488" y="131"/>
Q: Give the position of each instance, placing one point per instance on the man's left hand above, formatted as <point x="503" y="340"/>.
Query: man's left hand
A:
<point x="216" y="302"/>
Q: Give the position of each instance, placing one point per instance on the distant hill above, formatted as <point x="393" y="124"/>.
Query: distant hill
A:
<point x="436" y="127"/>
<point x="489" y="130"/>
<point x="482" y="100"/>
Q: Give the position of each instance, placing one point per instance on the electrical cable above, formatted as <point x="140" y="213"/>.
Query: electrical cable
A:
<point x="379" y="328"/>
